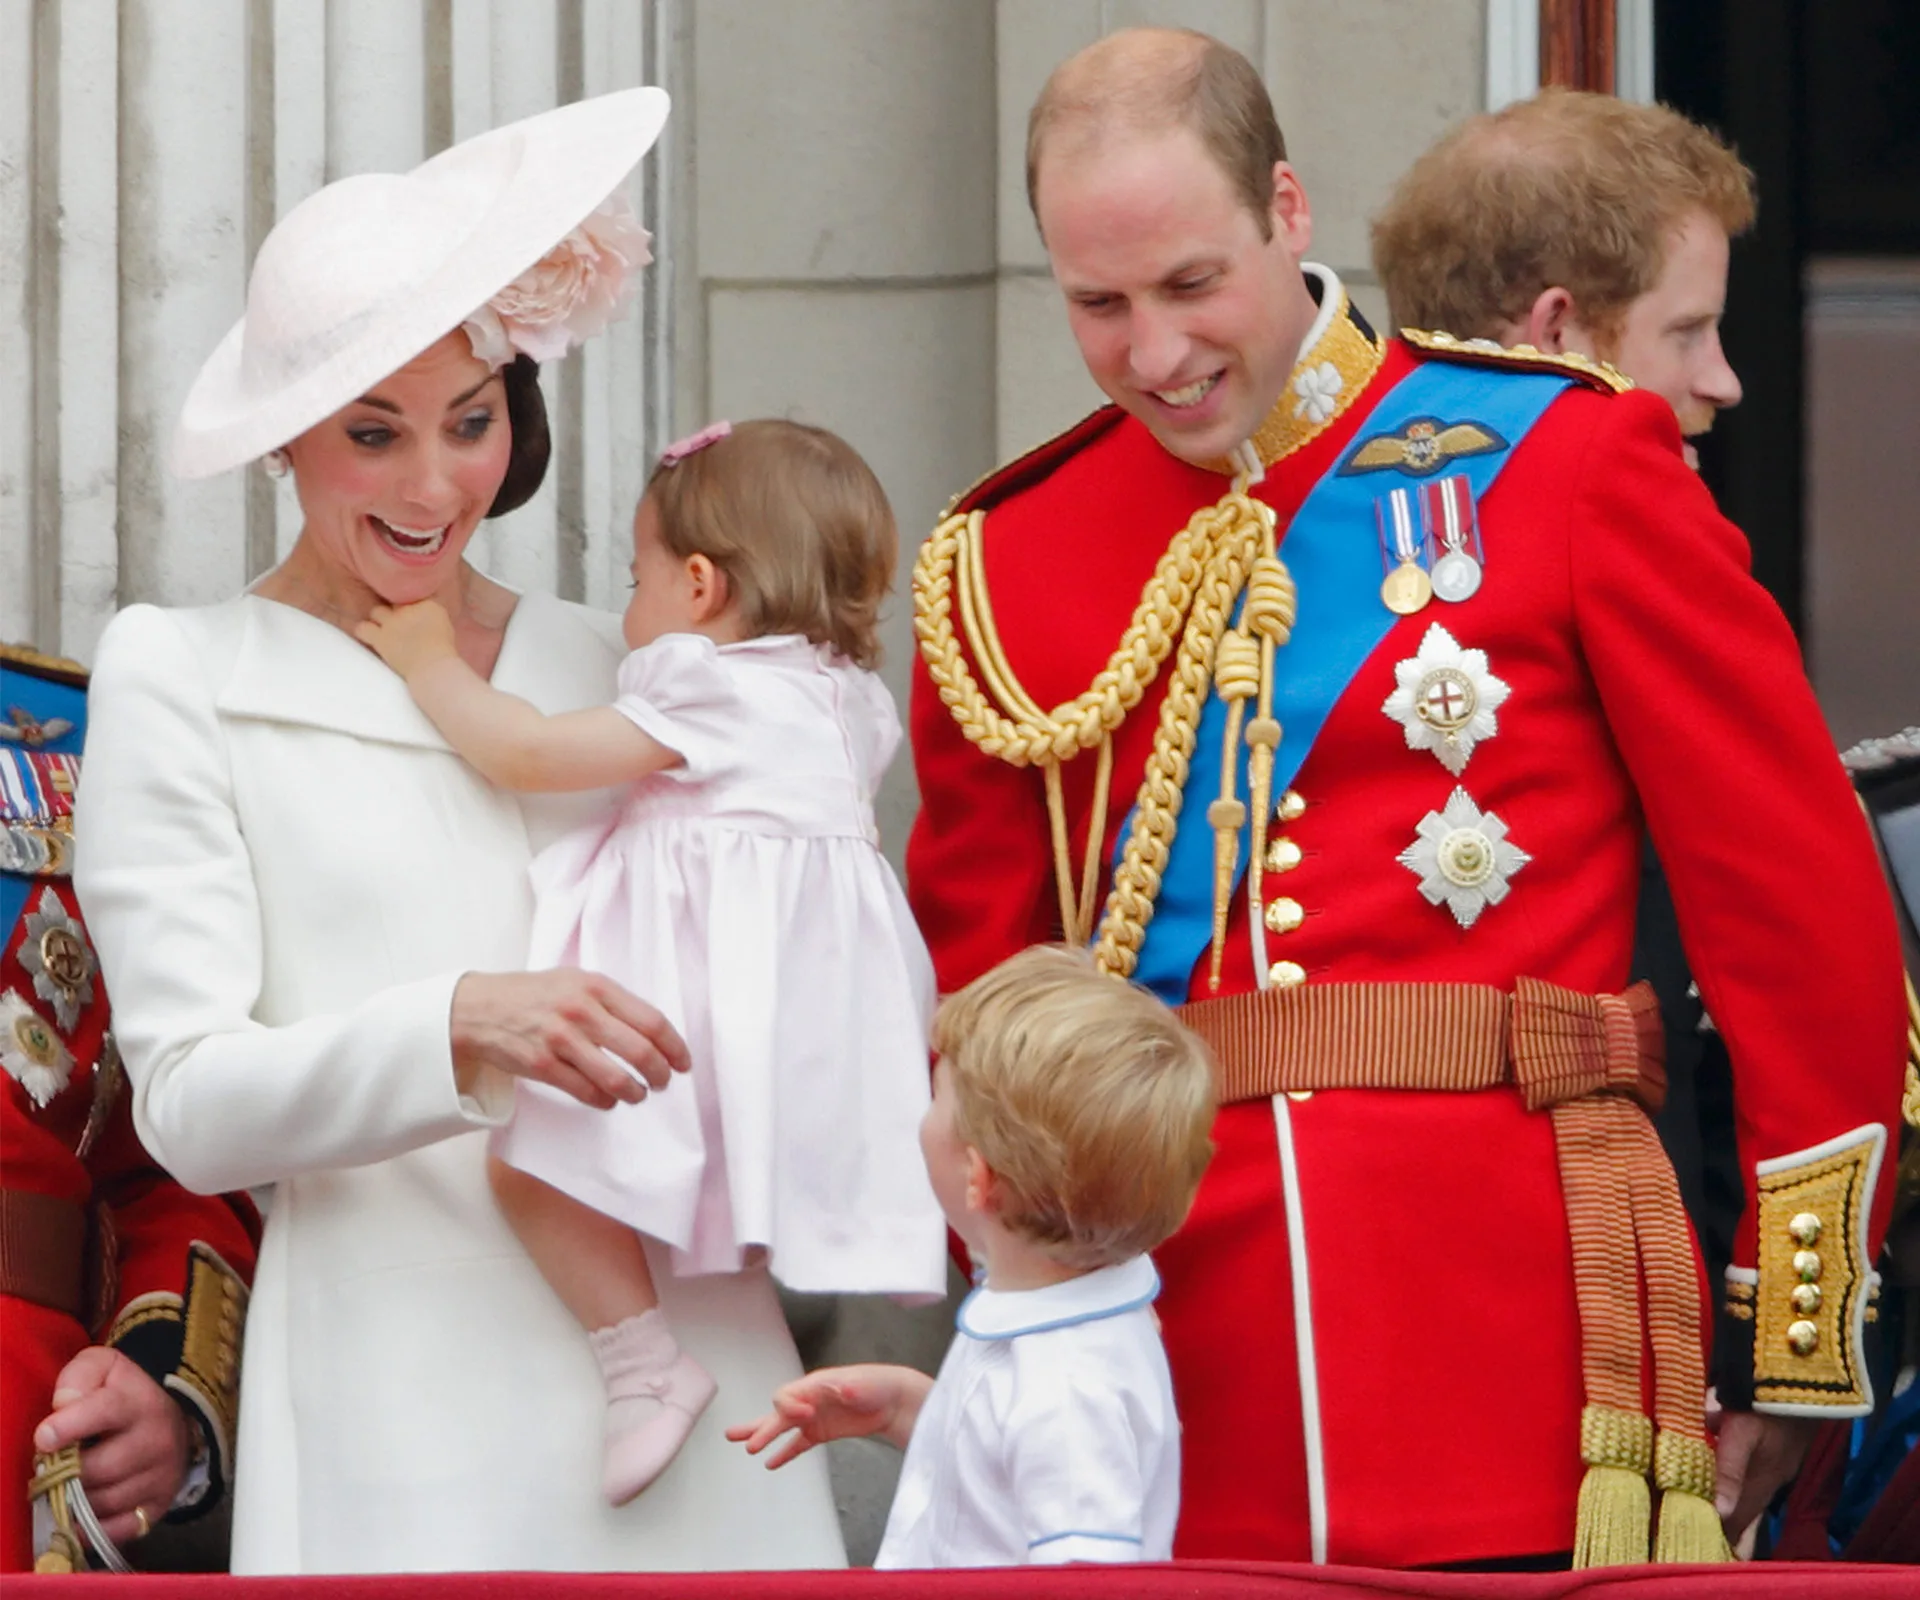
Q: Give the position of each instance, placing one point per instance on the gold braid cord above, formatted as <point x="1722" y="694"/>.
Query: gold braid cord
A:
<point x="1190" y="597"/>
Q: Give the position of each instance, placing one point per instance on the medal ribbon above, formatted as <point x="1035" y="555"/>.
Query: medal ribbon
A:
<point x="1332" y="550"/>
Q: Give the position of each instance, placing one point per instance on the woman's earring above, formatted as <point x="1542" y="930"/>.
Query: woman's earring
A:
<point x="277" y="462"/>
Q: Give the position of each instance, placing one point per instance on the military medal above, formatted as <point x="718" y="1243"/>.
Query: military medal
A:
<point x="1407" y="587"/>
<point x="1445" y="699"/>
<point x="57" y="956"/>
<point x="1453" y="531"/>
<point x="32" y="1053"/>
<point x="1463" y="859"/>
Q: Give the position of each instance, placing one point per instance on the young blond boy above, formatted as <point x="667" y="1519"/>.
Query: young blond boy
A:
<point x="1068" y="1133"/>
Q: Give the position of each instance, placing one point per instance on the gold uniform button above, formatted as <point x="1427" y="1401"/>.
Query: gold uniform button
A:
<point x="1283" y="916"/>
<point x="1286" y="974"/>
<point x="1805" y="1228"/>
<point x="1804" y="1338"/>
<point x="1806" y="1298"/>
<point x="1807" y="1265"/>
<point x="1283" y="855"/>
<point x="1292" y="806"/>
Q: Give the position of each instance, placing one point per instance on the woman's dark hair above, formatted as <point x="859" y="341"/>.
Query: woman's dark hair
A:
<point x="532" y="444"/>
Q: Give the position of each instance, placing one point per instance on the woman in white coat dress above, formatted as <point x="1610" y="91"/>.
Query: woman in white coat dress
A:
<point x="311" y="914"/>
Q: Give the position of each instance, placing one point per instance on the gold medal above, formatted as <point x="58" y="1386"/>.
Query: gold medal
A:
<point x="1407" y="589"/>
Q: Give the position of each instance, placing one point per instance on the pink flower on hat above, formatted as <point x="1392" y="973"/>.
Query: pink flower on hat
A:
<point x="569" y="294"/>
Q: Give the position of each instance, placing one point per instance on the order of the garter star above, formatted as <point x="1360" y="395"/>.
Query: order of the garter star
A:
<point x="1446" y="699"/>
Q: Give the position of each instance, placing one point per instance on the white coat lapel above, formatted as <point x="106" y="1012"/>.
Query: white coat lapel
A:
<point x="294" y="668"/>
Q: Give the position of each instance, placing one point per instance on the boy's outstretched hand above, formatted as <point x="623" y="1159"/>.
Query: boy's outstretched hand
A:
<point x="408" y="638"/>
<point x="838" y="1403"/>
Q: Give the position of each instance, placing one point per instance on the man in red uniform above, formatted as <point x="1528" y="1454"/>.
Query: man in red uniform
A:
<point x="1329" y="684"/>
<point x="121" y="1294"/>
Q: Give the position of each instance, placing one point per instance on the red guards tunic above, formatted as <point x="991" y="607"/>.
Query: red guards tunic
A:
<point x="154" y="1286"/>
<point x="1396" y="1379"/>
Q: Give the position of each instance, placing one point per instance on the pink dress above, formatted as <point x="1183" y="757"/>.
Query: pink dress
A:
<point x="744" y="894"/>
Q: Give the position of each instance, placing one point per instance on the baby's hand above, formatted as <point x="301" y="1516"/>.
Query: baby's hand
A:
<point x="408" y="638"/>
<point x="834" y="1403"/>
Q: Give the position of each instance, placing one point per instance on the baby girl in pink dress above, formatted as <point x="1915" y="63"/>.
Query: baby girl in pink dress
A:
<point x="739" y="887"/>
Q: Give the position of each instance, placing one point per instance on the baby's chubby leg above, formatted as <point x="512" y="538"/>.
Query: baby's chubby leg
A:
<point x="594" y="1263"/>
<point x="598" y="1268"/>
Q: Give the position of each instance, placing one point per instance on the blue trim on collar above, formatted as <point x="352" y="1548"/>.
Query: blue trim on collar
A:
<point x="1084" y="1533"/>
<point x="1041" y="1301"/>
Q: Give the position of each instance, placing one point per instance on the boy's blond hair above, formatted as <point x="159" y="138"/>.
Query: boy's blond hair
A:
<point x="797" y="522"/>
<point x="1086" y="1097"/>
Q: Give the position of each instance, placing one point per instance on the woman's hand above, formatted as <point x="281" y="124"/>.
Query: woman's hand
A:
<point x="409" y="638"/>
<point x="838" y="1403"/>
<point x="137" y="1440"/>
<point x="563" y="1027"/>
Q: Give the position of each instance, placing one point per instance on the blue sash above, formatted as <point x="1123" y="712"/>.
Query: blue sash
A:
<point x="1333" y="551"/>
<point x="44" y="699"/>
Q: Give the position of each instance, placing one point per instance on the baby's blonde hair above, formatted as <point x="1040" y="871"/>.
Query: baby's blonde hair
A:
<point x="797" y="522"/>
<point x="1086" y="1097"/>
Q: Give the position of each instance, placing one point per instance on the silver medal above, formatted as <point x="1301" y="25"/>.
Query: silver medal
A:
<point x="1456" y="576"/>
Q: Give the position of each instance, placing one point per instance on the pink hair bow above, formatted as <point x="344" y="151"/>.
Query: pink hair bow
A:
<point x="680" y="449"/>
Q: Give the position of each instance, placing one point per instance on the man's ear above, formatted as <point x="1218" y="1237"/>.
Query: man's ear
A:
<point x="1291" y="213"/>
<point x="710" y="590"/>
<point x="1553" y="324"/>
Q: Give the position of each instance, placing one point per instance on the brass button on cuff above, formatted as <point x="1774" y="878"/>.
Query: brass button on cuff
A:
<point x="1291" y="806"/>
<point x="1283" y="915"/>
<point x="1806" y="1265"/>
<point x="1803" y="1338"/>
<point x="1805" y="1229"/>
<point x="1283" y="855"/>
<point x="1286" y="975"/>
<point x="1805" y="1298"/>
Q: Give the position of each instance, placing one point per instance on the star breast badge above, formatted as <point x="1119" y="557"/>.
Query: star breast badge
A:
<point x="1422" y="447"/>
<point x="1446" y="699"/>
<point x="1463" y="859"/>
<point x="30" y="1051"/>
<point x="59" y="959"/>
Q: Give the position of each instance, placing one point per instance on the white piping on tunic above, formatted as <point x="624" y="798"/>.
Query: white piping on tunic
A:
<point x="1303" y="1334"/>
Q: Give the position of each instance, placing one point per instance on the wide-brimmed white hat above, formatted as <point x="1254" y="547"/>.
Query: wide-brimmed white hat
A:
<point x="363" y="275"/>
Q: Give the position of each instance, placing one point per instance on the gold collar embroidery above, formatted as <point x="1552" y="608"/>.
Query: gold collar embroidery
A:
<point x="1326" y="379"/>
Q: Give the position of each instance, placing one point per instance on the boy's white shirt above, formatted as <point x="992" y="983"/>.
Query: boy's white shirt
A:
<point x="1049" y="1435"/>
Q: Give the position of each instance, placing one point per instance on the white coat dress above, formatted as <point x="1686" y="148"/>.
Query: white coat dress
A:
<point x="286" y="871"/>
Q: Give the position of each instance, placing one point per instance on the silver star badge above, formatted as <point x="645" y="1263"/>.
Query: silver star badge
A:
<point x="56" y="953"/>
<point x="1462" y="858"/>
<point x="1446" y="699"/>
<point x="31" y="1051"/>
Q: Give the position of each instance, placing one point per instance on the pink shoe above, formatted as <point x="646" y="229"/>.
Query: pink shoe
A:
<point x="655" y="1394"/>
<point x="647" y="1443"/>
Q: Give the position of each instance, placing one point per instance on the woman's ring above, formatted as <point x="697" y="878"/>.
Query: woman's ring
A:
<point x="144" y="1526"/>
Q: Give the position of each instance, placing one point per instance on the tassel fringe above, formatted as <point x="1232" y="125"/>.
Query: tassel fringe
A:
<point x="1615" y="1520"/>
<point x="1689" y="1530"/>
<point x="1616" y="1510"/>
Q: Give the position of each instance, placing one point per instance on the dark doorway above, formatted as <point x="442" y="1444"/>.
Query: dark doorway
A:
<point x="1821" y="102"/>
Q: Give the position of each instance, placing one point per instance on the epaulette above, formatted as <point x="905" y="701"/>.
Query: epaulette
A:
<point x="1518" y="358"/>
<point x="1023" y="471"/>
<point x="45" y="666"/>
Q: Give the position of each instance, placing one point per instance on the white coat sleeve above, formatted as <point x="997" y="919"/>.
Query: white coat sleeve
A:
<point x="166" y="882"/>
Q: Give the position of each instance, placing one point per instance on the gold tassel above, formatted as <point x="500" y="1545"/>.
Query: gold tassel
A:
<point x="1616" y="1506"/>
<point x="1690" y="1528"/>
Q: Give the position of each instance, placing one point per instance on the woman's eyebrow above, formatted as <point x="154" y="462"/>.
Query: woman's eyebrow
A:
<point x="452" y="405"/>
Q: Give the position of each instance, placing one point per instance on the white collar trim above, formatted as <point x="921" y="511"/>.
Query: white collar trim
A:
<point x="1105" y="1292"/>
